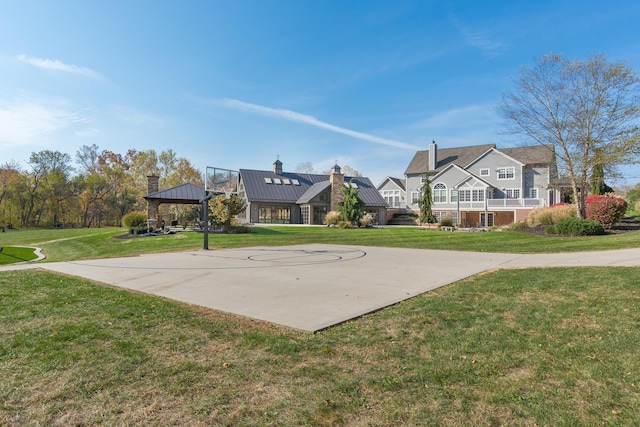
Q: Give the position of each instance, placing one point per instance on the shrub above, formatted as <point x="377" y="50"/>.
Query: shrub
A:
<point x="446" y="221"/>
<point x="332" y="218"/>
<point x="404" y="218"/>
<point x="518" y="225"/>
<point x="344" y="224"/>
<point x="135" y="219"/>
<point x="551" y="215"/>
<point x="607" y="210"/>
<point x="405" y="215"/>
<point x="367" y="220"/>
<point x="240" y="229"/>
<point x="140" y="229"/>
<point x="577" y="227"/>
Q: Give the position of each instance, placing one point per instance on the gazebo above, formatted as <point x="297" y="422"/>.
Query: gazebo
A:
<point x="184" y="194"/>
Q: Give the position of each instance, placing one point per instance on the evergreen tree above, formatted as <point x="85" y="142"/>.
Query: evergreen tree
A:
<point x="351" y="208"/>
<point x="598" y="186"/>
<point x="425" y="201"/>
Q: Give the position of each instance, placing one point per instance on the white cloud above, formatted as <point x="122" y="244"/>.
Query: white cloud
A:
<point x="136" y="117"/>
<point x="482" y="41"/>
<point x="54" y="64"/>
<point x="310" y="120"/>
<point x="471" y="116"/>
<point x="473" y="124"/>
<point x="29" y="122"/>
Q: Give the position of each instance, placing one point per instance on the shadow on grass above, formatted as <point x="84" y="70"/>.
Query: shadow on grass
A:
<point x="264" y="231"/>
<point x="11" y="255"/>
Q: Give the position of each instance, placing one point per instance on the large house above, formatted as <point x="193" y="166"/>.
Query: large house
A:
<point x="478" y="185"/>
<point x="277" y="197"/>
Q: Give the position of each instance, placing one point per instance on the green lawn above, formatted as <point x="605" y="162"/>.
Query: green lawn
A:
<point x="10" y="255"/>
<point x="64" y="245"/>
<point x="511" y="347"/>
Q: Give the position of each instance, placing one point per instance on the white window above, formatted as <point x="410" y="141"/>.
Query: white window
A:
<point x="506" y="173"/>
<point x="512" y="193"/>
<point x="415" y="196"/>
<point x="453" y="196"/>
<point x="423" y="177"/>
<point x="477" y="195"/>
<point x="392" y="197"/>
<point x="439" y="193"/>
<point x="484" y="172"/>
<point x="533" y="193"/>
<point x="464" y="195"/>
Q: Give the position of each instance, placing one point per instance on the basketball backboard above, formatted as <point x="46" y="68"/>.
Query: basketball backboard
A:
<point x="221" y="181"/>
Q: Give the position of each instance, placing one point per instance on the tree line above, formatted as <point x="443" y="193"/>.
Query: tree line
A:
<point x="97" y="189"/>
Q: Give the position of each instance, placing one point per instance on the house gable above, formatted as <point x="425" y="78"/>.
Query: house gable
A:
<point x="492" y="157"/>
<point x="460" y="156"/>
<point x="391" y="183"/>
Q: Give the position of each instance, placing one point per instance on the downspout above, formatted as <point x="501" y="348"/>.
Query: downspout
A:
<point x="458" y="206"/>
<point x="486" y="209"/>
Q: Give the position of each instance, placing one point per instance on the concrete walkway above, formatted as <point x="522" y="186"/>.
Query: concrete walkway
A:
<point x="308" y="287"/>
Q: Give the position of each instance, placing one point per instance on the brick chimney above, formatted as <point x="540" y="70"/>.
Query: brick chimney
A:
<point x="337" y="182"/>
<point x="433" y="156"/>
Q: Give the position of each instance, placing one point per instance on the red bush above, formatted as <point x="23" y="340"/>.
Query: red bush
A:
<point x="607" y="210"/>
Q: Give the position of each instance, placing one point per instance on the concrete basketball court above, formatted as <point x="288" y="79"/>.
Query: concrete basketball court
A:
<point x="308" y="287"/>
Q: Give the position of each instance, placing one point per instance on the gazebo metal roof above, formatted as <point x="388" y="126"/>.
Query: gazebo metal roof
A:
<point x="185" y="194"/>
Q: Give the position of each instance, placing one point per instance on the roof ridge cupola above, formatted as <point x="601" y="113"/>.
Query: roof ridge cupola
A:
<point x="277" y="167"/>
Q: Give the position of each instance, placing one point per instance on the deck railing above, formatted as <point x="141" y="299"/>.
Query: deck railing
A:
<point x="514" y="203"/>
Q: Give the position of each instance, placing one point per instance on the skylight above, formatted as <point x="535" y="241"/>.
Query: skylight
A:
<point x="267" y="180"/>
<point x="277" y="181"/>
<point x="295" y="182"/>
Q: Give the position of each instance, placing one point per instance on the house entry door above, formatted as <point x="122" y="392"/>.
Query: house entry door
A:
<point x="489" y="222"/>
<point x="319" y="212"/>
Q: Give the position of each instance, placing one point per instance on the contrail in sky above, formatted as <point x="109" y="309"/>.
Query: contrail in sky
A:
<point x="310" y="120"/>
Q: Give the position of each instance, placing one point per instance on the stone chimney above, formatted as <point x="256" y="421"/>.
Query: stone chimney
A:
<point x="277" y="167"/>
<point x="152" y="184"/>
<point x="337" y="182"/>
<point x="433" y="156"/>
<point x="152" y="205"/>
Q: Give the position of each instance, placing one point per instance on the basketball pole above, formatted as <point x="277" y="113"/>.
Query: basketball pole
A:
<point x="205" y="217"/>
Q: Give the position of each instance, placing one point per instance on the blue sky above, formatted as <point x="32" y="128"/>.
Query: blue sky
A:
<point x="238" y="83"/>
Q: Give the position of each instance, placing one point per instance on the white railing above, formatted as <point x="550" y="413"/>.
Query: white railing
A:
<point x="514" y="203"/>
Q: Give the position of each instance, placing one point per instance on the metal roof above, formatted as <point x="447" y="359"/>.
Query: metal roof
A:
<point x="258" y="189"/>
<point x="181" y="194"/>
<point x="313" y="191"/>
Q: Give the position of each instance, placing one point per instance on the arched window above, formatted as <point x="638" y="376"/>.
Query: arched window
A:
<point x="439" y="193"/>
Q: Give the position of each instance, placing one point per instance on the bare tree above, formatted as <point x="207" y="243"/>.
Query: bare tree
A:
<point x="586" y="112"/>
<point x="304" y="167"/>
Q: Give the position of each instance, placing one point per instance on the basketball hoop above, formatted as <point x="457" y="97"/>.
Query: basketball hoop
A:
<point x="227" y="192"/>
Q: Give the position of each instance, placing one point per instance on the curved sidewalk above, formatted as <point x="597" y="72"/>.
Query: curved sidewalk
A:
<point x="309" y="287"/>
